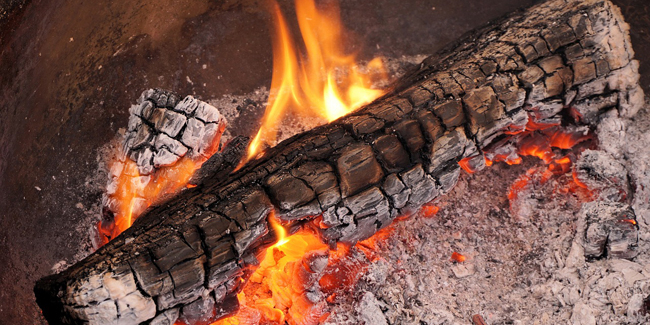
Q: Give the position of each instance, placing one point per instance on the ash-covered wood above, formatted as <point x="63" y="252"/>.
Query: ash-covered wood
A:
<point x="163" y="129"/>
<point x="361" y="171"/>
<point x="609" y="225"/>
<point x="610" y="230"/>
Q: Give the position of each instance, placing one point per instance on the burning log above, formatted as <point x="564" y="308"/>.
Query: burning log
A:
<point x="557" y="63"/>
<point x="167" y="139"/>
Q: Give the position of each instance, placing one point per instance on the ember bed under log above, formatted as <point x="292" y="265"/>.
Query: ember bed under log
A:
<point x="558" y="63"/>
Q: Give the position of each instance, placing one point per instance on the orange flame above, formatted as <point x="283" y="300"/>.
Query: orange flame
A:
<point x="325" y="83"/>
<point x="135" y="193"/>
<point x="276" y="292"/>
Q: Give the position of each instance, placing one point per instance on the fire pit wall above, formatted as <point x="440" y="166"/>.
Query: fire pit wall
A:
<point x="555" y="60"/>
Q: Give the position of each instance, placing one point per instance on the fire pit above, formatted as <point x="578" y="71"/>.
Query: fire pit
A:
<point x="568" y="108"/>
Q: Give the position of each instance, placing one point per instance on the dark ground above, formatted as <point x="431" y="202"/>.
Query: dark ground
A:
<point x="70" y="70"/>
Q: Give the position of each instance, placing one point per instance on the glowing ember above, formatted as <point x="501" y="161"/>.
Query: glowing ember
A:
<point x="298" y="276"/>
<point x="324" y="82"/>
<point x="135" y="192"/>
<point x="547" y="141"/>
<point x="457" y="257"/>
<point x="429" y="211"/>
<point x="464" y="163"/>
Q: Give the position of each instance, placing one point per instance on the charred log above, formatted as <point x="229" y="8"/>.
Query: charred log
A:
<point x="558" y="62"/>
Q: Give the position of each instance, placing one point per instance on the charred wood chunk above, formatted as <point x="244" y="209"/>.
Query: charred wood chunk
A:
<point x="418" y="96"/>
<point x="584" y="70"/>
<point x="396" y="190"/>
<point x="359" y="217"/>
<point x="489" y="67"/>
<point x="220" y="164"/>
<point x="167" y="317"/>
<point x="610" y="227"/>
<point x="246" y="208"/>
<point x="215" y="226"/>
<point x="199" y="311"/>
<point x="434" y="88"/>
<point x="484" y="110"/>
<point x="559" y="35"/>
<point x="160" y="97"/>
<point x="574" y="52"/>
<point x="451" y="113"/>
<point x="402" y="104"/>
<point x="171" y="250"/>
<point x="474" y="73"/>
<point x="125" y="301"/>
<point x="391" y="153"/>
<point x="221" y="252"/>
<point x="409" y="131"/>
<point x="310" y="209"/>
<point x="363" y="229"/>
<point x="257" y="206"/>
<point x="357" y="168"/>
<point x="143" y="137"/>
<point x="229" y="305"/>
<point x="391" y="112"/>
<point x="430" y="125"/>
<point x="528" y="52"/>
<point x="368" y="202"/>
<point x="464" y="82"/>
<point x="173" y="299"/>
<point x="447" y="150"/>
<point x="220" y="277"/>
<point x="167" y="121"/>
<point x="448" y="178"/>
<point x="153" y="281"/>
<point x="551" y="64"/>
<point x="144" y="160"/>
<point x="508" y="92"/>
<point x="246" y="238"/>
<point x="589" y="109"/>
<point x="581" y="25"/>
<point x="338" y="138"/>
<point x="320" y="179"/>
<point x="423" y="187"/>
<point x="546" y="110"/>
<point x="188" y="105"/>
<point x="207" y="113"/>
<point x="188" y="275"/>
<point x="363" y="124"/>
<point x="531" y="75"/>
<point x="449" y="85"/>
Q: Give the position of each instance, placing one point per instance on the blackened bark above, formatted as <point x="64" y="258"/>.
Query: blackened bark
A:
<point x="361" y="171"/>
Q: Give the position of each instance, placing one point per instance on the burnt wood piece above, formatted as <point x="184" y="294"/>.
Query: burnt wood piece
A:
<point x="162" y="130"/>
<point x="360" y="171"/>
<point x="607" y="226"/>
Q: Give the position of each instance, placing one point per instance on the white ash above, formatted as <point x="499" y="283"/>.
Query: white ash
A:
<point x="527" y="269"/>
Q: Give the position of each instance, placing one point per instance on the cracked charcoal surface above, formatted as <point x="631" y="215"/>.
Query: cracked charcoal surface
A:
<point x="239" y="204"/>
